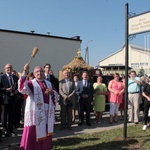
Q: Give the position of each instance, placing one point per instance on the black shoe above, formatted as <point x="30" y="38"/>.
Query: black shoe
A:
<point x="62" y="128"/>
<point x="69" y="128"/>
<point x="18" y="125"/>
<point x="12" y="134"/>
<point x="6" y="133"/>
<point x="88" y="124"/>
<point x="135" y="122"/>
<point x="80" y="124"/>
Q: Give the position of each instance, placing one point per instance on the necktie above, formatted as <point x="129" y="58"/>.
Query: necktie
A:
<point x="67" y="81"/>
<point x="47" y="77"/>
<point x="84" y="83"/>
<point x="11" y="84"/>
<point x="10" y="79"/>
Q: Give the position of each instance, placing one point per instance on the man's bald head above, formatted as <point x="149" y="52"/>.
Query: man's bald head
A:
<point x="8" y="68"/>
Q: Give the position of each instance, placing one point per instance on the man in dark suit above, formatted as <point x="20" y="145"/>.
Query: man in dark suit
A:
<point x="50" y="77"/>
<point x="9" y="86"/>
<point x="85" y="91"/>
<point x="0" y="114"/>
<point x="66" y="91"/>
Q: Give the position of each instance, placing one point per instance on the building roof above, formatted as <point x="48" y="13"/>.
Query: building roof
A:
<point x="75" y="38"/>
<point x="138" y="47"/>
<point x="110" y="55"/>
<point x="134" y="46"/>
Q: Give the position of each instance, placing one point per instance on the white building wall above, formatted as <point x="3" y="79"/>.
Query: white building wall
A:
<point x="137" y="59"/>
<point x="16" y="49"/>
<point x="140" y="59"/>
<point x="116" y="59"/>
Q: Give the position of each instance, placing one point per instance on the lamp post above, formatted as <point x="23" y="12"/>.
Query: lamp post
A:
<point x="87" y="52"/>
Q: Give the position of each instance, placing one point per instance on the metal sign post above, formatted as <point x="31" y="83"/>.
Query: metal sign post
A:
<point x="126" y="72"/>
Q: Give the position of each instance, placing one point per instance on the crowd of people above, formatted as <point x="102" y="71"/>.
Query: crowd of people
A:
<point x="32" y="98"/>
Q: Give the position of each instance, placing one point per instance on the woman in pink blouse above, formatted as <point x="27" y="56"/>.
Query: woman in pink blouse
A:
<point x="116" y="89"/>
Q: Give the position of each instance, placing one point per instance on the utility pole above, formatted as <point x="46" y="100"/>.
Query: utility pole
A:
<point x="87" y="52"/>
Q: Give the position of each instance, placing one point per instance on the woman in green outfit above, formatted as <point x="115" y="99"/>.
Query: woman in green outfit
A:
<point x="99" y="98"/>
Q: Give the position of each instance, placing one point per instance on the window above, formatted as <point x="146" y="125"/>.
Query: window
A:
<point x="111" y="64"/>
<point x="144" y="64"/>
<point x="135" y="65"/>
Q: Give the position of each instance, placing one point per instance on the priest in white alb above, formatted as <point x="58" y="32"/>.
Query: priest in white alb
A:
<point x="39" y="110"/>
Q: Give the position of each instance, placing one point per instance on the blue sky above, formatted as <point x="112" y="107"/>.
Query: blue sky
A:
<point x="102" y="21"/>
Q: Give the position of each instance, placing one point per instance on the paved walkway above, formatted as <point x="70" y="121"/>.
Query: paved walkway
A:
<point x="12" y="143"/>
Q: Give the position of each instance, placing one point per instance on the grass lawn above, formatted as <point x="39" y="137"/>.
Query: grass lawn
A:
<point x="137" y="139"/>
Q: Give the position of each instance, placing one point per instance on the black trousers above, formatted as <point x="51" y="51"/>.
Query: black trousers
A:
<point x="85" y="107"/>
<point x="66" y="115"/>
<point x="17" y="112"/>
<point x="7" y="115"/>
<point x="0" y="121"/>
<point x="146" y="109"/>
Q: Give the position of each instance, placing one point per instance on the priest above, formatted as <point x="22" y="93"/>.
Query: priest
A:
<point x="39" y="110"/>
